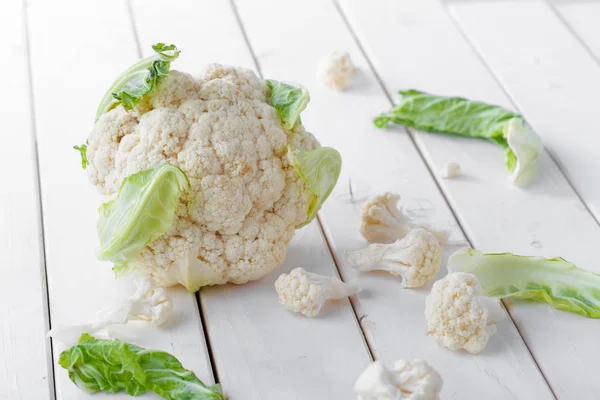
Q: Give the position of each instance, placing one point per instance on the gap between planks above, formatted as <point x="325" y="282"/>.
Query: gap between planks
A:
<point x="42" y="249"/>
<point x="364" y="335"/>
<point x="433" y="175"/>
<point x="499" y="83"/>
<point x="213" y="367"/>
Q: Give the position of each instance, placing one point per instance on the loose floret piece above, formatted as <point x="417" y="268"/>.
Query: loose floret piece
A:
<point x="450" y="170"/>
<point x="416" y="258"/>
<point x="408" y="380"/>
<point x="338" y="71"/>
<point x="459" y="314"/>
<point x="384" y="221"/>
<point x="306" y="292"/>
<point x="148" y="303"/>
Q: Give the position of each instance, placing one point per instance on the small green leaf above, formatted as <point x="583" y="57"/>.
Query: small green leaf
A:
<point x="320" y="170"/>
<point x="143" y="210"/>
<point x="463" y="117"/>
<point x="83" y="153"/>
<point x="552" y="280"/>
<point x="113" y="366"/>
<point x="140" y="79"/>
<point x="289" y="100"/>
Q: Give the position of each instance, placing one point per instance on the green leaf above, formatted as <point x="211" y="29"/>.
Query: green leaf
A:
<point x="141" y="78"/>
<point x="552" y="280"/>
<point x="143" y="210"/>
<point x="463" y="117"/>
<point x="114" y="366"/>
<point x="320" y="170"/>
<point x="289" y="100"/>
<point x="83" y="153"/>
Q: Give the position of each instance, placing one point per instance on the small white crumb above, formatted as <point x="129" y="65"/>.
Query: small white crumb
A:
<point x="450" y="170"/>
<point x="338" y="71"/>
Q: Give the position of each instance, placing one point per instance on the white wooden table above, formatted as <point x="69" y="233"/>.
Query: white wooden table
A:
<point x="540" y="58"/>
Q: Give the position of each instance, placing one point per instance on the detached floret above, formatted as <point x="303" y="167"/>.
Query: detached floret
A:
<point x="450" y="170"/>
<point x="416" y="258"/>
<point x="148" y="303"/>
<point x="459" y="314"/>
<point x="338" y="71"/>
<point x="384" y="221"/>
<point x="306" y="292"/>
<point x="408" y="380"/>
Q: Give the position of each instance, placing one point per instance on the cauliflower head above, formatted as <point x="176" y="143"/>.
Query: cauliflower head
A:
<point x="306" y="292"/>
<point x="416" y="258"/>
<point x="407" y="380"/>
<point x="459" y="314"/>
<point x="245" y="198"/>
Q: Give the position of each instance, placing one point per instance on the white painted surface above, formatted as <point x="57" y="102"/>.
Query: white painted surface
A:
<point x="582" y="17"/>
<point x="546" y="63"/>
<point x="376" y="161"/>
<point x="545" y="218"/>
<point x="261" y="350"/>
<point x="25" y="359"/>
<point x="93" y="41"/>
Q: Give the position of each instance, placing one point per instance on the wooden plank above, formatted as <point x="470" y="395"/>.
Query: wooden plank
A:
<point x="403" y="39"/>
<point x="545" y="63"/>
<point x="78" y="48"/>
<point x="377" y="161"/>
<point x="25" y="359"/>
<point x="261" y="350"/>
<point x="582" y="17"/>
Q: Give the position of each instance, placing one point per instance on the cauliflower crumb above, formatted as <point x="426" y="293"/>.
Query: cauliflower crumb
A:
<point x="407" y="380"/>
<point x="338" y="71"/>
<point x="306" y="292"/>
<point x="245" y="198"/>
<point x="459" y="314"/>
<point x="450" y="170"/>
<point x="384" y="221"/>
<point x="416" y="258"/>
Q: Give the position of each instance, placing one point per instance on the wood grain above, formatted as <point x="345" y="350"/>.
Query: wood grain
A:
<point x="260" y="349"/>
<point x="25" y="359"/>
<point x="546" y="218"/>
<point x="97" y="45"/>
<point x="374" y="162"/>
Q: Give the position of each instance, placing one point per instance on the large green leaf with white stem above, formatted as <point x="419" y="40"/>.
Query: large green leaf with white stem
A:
<point x="141" y="78"/>
<point x="552" y="280"/>
<point x="320" y="170"/>
<point x="143" y="210"/>
<point x="113" y="366"/>
<point x="289" y="100"/>
<point x="462" y="117"/>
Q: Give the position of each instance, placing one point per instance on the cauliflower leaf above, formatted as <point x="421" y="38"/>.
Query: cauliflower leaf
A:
<point x="83" y="153"/>
<point x="143" y="210"/>
<point x="555" y="281"/>
<point x="467" y="118"/>
<point x="114" y="366"/>
<point x="320" y="170"/>
<point x="141" y="78"/>
<point x="289" y="101"/>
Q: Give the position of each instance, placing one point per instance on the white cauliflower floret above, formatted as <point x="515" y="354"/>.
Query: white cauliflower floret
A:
<point x="338" y="71"/>
<point x="459" y="314"/>
<point x="245" y="200"/>
<point x="408" y="380"/>
<point x="384" y="221"/>
<point x="450" y="170"/>
<point x="416" y="258"/>
<point x="149" y="303"/>
<point x="306" y="292"/>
